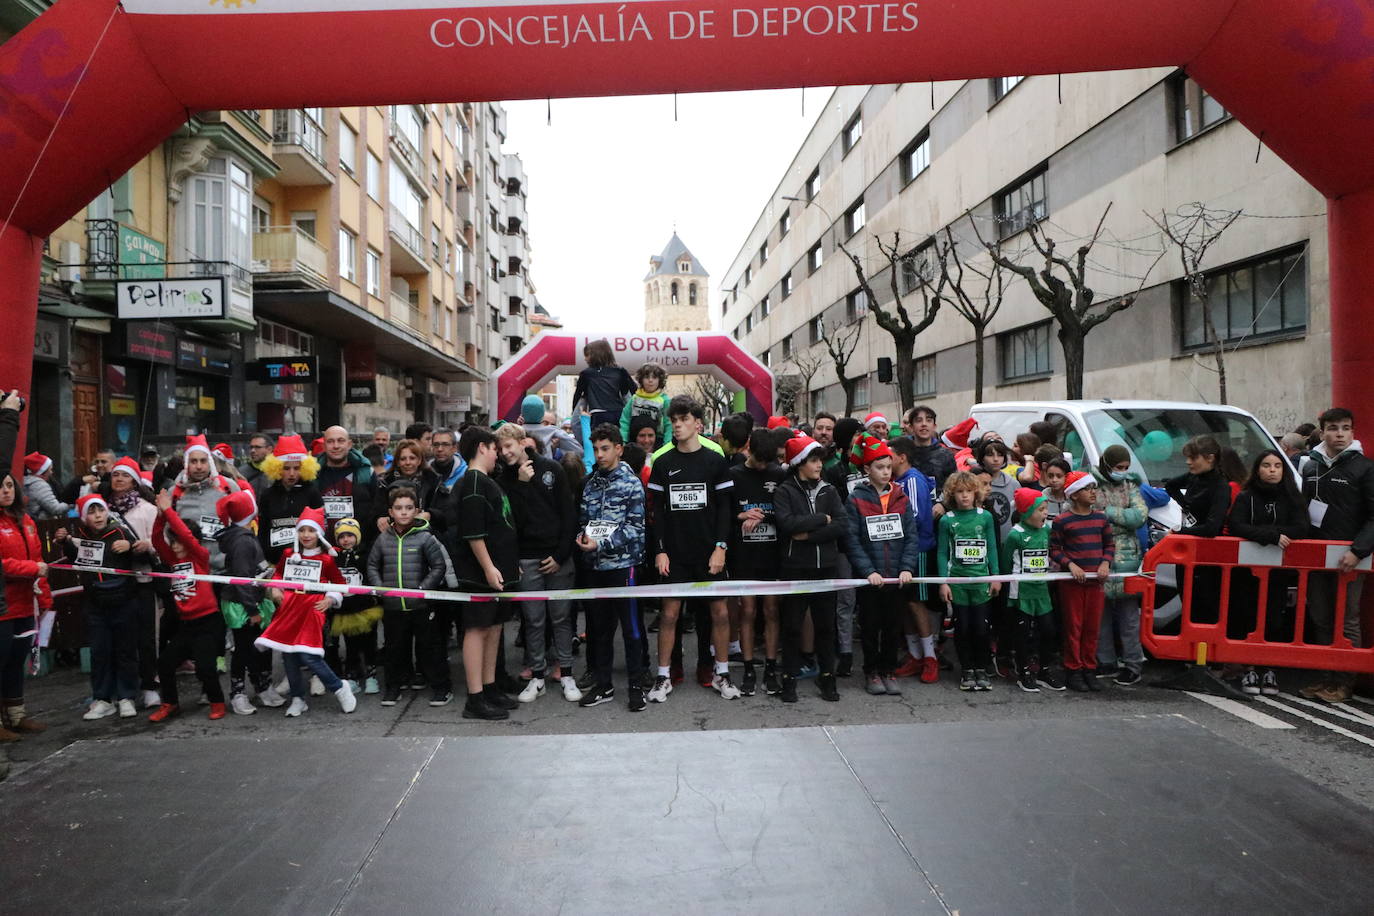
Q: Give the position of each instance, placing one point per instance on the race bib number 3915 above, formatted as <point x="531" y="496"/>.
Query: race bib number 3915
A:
<point x="884" y="527"/>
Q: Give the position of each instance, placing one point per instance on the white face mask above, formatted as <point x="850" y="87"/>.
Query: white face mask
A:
<point x="1119" y="476"/>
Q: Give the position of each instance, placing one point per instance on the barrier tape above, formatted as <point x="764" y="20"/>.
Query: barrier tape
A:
<point x="722" y="589"/>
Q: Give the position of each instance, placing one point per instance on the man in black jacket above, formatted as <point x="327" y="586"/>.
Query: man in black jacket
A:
<point x="546" y="522"/>
<point x="1338" y="481"/>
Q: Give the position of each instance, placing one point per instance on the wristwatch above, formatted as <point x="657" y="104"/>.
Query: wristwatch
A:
<point x="721" y="545"/>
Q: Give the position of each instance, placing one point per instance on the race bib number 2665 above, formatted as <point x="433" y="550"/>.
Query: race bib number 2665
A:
<point x="687" y="496"/>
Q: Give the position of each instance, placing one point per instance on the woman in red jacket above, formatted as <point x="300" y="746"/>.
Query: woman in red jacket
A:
<point x="26" y="595"/>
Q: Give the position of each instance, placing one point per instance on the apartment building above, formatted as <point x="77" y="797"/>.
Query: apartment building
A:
<point x="987" y="158"/>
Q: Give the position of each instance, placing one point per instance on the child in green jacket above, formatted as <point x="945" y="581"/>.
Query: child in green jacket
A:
<point x="967" y="546"/>
<point x="1027" y="552"/>
<point x="649" y="401"/>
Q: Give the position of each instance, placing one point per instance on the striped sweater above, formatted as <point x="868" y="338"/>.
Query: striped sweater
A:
<point x="1082" y="539"/>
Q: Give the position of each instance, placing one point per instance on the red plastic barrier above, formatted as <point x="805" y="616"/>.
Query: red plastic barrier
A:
<point x="1220" y="595"/>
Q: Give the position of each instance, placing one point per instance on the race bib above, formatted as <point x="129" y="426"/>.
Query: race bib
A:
<point x="1035" y="561"/>
<point x="182" y="589"/>
<point x="970" y="551"/>
<point x="210" y="526"/>
<point x="599" y="531"/>
<point x="884" y="527"/>
<point x="687" y="496"/>
<point x="90" y="553"/>
<point x="282" y="537"/>
<point x="763" y="533"/>
<point x="1316" y="512"/>
<point x="300" y="569"/>
<point x="854" y="481"/>
<point x="351" y="575"/>
<point x="336" y="507"/>
<point x="1190" y="520"/>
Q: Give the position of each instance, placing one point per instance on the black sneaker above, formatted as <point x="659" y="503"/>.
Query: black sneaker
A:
<point x="772" y="684"/>
<point x="1108" y="670"/>
<point x="845" y="666"/>
<point x="499" y="698"/>
<point x="587" y="681"/>
<point x="830" y="692"/>
<point x="652" y="625"/>
<point x="418" y="682"/>
<point x="1077" y="682"/>
<point x="637" y="702"/>
<point x="1090" y="678"/>
<point x="1027" y="682"/>
<point x="477" y="707"/>
<point x="440" y="697"/>
<point x="598" y="695"/>
<point x="750" y="685"/>
<point x="391" y="695"/>
<point x="1047" y="679"/>
<point x="789" y="690"/>
<point x="1128" y="678"/>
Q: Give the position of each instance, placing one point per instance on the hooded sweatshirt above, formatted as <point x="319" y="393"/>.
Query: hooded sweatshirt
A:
<point x="196" y="501"/>
<point x="1345" y="484"/>
<point x="612" y="514"/>
<point x="802" y="507"/>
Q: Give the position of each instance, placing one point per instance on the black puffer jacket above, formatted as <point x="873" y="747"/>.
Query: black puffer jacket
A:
<point x="802" y="508"/>
<point x="1346" y="484"/>
<point x="242" y="557"/>
<point x="279" y="510"/>
<point x="1205" y="503"/>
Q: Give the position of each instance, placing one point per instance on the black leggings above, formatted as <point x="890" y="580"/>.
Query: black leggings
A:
<point x="14" y="654"/>
<point x="1037" y="637"/>
<point x="200" y="640"/>
<point x="248" y="660"/>
<point x="146" y="600"/>
<point x="792" y="614"/>
<point x="971" y="636"/>
<point x="880" y="625"/>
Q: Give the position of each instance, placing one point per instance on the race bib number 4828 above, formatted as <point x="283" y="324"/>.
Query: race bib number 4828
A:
<point x="970" y="551"/>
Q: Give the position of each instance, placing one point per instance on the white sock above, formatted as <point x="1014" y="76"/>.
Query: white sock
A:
<point x="734" y="646"/>
<point x="664" y="671"/>
<point x="912" y="645"/>
<point x="928" y="646"/>
<point x="722" y="667"/>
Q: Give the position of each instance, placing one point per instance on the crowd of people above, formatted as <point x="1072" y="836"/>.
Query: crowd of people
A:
<point x="520" y="507"/>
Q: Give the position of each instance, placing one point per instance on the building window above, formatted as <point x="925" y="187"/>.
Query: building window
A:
<point x="748" y="322"/>
<point x="855" y="305"/>
<point x="348" y="149"/>
<point x="691" y="294"/>
<point x="814" y="258"/>
<point x="916" y="266"/>
<point x="374" y="273"/>
<point x="787" y="347"/>
<point x="737" y="332"/>
<point x="924" y="384"/>
<point x="218" y="207"/>
<point x="817" y="326"/>
<point x="410" y="124"/>
<point x="854" y="218"/>
<point x="374" y="177"/>
<point x="1004" y="84"/>
<point x="763" y="253"/>
<point x="672" y="297"/>
<point x="1025" y="352"/>
<point x="748" y="275"/>
<point x="765" y="306"/>
<point x="813" y="184"/>
<point x="785" y="223"/>
<point x="348" y="255"/>
<point x="684" y="267"/>
<point x="1194" y="109"/>
<point x="852" y="132"/>
<point x="817" y="401"/>
<point x="766" y="357"/>
<point x="436" y="239"/>
<point x="861" y="396"/>
<point x="1257" y="299"/>
<point x="1021" y="205"/>
<point x="915" y="158"/>
<point x="786" y="285"/>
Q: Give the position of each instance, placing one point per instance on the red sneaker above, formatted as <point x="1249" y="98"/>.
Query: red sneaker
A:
<point x="909" y="668"/>
<point x="930" y="670"/>
<point x="165" y="712"/>
<point x="217" y="710"/>
<point x="676" y="671"/>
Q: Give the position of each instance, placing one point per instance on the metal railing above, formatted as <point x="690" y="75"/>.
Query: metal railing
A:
<point x="289" y="249"/>
<point x="292" y="127"/>
<point x="407" y="234"/>
<point x="404" y="312"/>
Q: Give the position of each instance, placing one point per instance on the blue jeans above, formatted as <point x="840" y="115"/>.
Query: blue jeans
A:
<point x="294" y="661"/>
<point x="112" y="631"/>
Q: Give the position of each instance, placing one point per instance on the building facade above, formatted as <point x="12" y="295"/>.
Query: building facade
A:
<point x="281" y="271"/>
<point x="984" y="159"/>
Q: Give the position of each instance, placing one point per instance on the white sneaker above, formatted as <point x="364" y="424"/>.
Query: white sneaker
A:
<point x="347" y="701"/>
<point x="241" y="705"/>
<point x="662" y="687"/>
<point x="271" y="698"/>
<point x="371" y="686"/>
<point x="533" y="690"/>
<point x="570" y="691"/>
<point x="316" y="686"/>
<point x="725" y="688"/>
<point x="126" y="709"/>
<point x="297" y="707"/>
<point x="151" y="699"/>
<point x="99" y="710"/>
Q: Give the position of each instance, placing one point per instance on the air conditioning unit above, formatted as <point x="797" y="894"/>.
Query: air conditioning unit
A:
<point x="70" y="271"/>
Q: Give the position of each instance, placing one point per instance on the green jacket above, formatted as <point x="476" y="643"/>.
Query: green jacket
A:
<point x="1125" y="509"/>
<point x="967" y="546"/>
<point x="1027" y="550"/>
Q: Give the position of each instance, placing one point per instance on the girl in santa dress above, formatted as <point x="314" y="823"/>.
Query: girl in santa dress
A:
<point x="297" y="630"/>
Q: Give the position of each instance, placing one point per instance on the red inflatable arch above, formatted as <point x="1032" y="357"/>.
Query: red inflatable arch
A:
<point x="679" y="352"/>
<point x="91" y="86"/>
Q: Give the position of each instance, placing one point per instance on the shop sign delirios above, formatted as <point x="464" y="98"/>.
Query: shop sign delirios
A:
<point x="192" y="297"/>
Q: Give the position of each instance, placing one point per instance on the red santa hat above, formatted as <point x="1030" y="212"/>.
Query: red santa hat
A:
<point x="317" y="447"/>
<point x="146" y="477"/>
<point x="798" y="449"/>
<point x="871" y="449"/>
<point x="957" y="436"/>
<point x="1078" y="480"/>
<point x="196" y="444"/>
<point x="36" y="463"/>
<point x="1026" y="501"/>
<point x="83" y="505"/>
<point x="314" y="519"/>
<point x="130" y="466"/>
<point x="875" y="417"/>
<point x="290" y="448"/>
<point x="237" y="508"/>
<point x="223" y="452"/>
<point x="779" y="423"/>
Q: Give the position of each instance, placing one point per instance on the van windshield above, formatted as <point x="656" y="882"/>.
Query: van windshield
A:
<point x="1156" y="436"/>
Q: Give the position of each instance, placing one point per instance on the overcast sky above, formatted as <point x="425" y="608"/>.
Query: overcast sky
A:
<point x="611" y="177"/>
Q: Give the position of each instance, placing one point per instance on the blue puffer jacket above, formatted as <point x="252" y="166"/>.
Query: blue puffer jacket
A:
<point x="888" y="557"/>
<point x="615" y="499"/>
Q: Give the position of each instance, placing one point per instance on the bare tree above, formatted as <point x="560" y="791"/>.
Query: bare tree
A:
<point x="894" y="317"/>
<point x="1194" y="229"/>
<point x="807" y="362"/>
<point x="840" y="342"/>
<point x="1069" y="298"/>
<point x="786" y="389"/>
<point x="714" y="398"/>
<point x="978" y="306"/>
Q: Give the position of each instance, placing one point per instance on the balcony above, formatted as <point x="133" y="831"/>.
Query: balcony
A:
<point x="298" y="147"/>
<point x="514" y="247"/>
<point x="514" y="171"/>
<point x="286" y="257"/>
<point x="408" y="254"/>
<point x="515" y="213"/>
<point x="513" y="290"/>
<point x="407" y="155"/>
<point x="403" y="312"/>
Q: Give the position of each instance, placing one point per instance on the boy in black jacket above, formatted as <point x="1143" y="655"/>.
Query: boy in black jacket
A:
<point x="246" y="608"/>
<point x="811" y="526"/>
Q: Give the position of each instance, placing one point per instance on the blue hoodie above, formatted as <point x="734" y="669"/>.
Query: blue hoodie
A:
<point x="919" y="492"/>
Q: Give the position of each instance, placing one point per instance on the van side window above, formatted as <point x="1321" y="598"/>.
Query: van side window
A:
<point x="1069" y="438"/>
